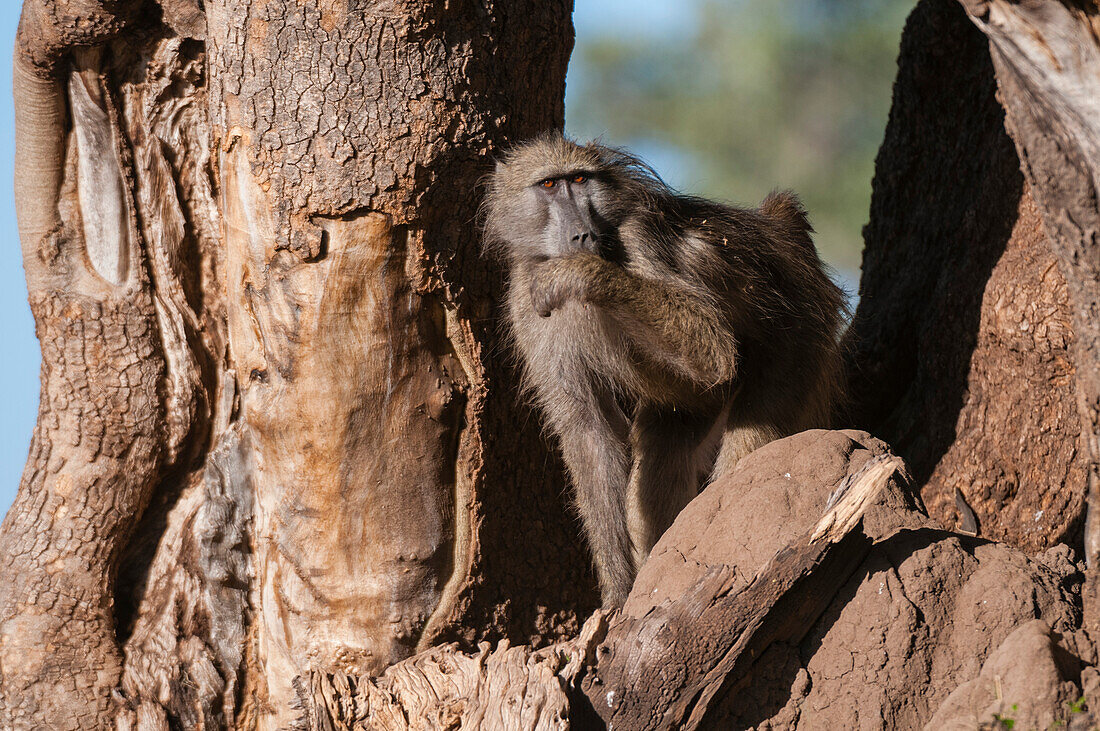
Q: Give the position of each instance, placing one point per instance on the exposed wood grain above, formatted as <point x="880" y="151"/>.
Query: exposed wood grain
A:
<point x="98" y="445"/>
<point x="506" y="689"/>
<point x="271" y="375"/>
<point x="349" y="140"/>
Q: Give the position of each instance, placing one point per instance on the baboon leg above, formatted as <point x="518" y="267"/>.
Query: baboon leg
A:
<point x="594" y="433"/>
<point x="756" y="418"/>
<point x="669" y="450"/>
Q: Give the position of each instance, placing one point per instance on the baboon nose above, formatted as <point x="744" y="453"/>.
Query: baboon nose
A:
<point x="582" y="238"/>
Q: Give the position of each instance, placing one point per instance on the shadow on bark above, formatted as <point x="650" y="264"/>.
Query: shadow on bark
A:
<point x="765" y="695"/>
<point x="946" y="188"/>
<point x="959" y="287"/>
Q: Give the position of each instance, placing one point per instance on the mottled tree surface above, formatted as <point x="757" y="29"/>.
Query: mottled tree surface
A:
<point x="1046" y="57"/>
<point x="282" y="478"/>
<point x="278" y="434"/>
<point x="961" y="345"/>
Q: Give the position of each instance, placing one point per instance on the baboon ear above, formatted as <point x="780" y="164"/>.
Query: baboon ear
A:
<point x="499" y="167"/>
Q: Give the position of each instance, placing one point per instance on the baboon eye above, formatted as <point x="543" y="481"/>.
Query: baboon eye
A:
<point x="580" y="178"/>
<point x="548" y="183"/>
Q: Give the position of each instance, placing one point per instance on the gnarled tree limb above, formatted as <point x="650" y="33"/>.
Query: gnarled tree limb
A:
<point x="701" y="645"/>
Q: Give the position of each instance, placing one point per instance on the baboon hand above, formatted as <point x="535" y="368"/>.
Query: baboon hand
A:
<point x="559" y="280"/>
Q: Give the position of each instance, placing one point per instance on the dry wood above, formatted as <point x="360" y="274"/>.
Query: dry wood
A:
<point x="662" y="670"/>
<point x="270" y="372"/>
<point x="506" y="689"/>
<point x="350" y="141"/>
<point x="98" y="447"/>
<point x="277" y="439"/>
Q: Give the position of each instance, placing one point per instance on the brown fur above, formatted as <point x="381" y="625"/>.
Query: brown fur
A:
<point x="694" y="333"/>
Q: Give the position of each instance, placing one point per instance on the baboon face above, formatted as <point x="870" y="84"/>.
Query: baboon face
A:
<point x="573" y="218"/>
<point x="559" y="204"/>
<point x="559" y="214"/>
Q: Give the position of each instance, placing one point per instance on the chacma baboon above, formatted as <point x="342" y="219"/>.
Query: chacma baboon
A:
<point x="663" y="336"/>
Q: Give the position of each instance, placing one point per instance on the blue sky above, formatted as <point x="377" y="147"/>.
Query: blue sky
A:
<point x="20" y="362"/>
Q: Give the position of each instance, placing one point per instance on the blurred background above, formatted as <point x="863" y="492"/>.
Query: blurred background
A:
<point x="731" y="98"/>
<point x="728" y="99"/>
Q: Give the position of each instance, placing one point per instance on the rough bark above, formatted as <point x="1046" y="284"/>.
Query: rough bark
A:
<point x="277" y="437"/>
<point x="963" y="345"/>
<point x="99" y="444"/>
<point x="354" y="311"/>
<point x="279" y="448"/>
<point x="1046" y="56"/>
<point x="913" y="638"/>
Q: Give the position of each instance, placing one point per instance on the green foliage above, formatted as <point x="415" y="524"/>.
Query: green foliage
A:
<point x="1005" y="721"/>
<point x="764" y="95"/>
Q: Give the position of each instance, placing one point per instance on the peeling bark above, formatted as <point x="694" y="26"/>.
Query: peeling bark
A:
<point x="98" y="447"/>
<point x="280" y="455"/>
<point x="270" y="373"/>
<point x="348" y="144"/>
<point x="502" y="689"/>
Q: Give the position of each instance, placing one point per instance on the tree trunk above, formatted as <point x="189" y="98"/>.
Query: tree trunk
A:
<point x="281" y="459"/>
<point x="276" y="434"/>
<point x="963" y="345"/>
<point x="967" y="351"/>
<point x="1047" y="58"/>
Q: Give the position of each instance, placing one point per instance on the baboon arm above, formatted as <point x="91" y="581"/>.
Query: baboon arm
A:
<point x="670" y="326"/>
